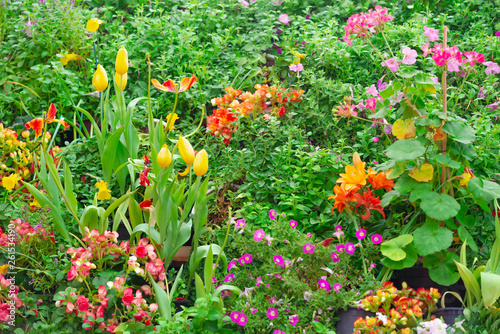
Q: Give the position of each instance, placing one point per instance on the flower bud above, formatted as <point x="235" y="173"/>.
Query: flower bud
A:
<point x="100" y="79"/>
<point x="186" y="150"/>
<point x="121" y="64"/>
<point x="25" y="134"/>
<point x="164" y="157"/>
<point x="121" y="80"/>
<point x="200" y="165"/>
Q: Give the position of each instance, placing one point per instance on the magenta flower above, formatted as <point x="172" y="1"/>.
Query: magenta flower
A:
<point x="231" y="265"/>
<point x="375" y="139"/>
<point x="426" y="49"/>
<point x="497" y="34"/>
<point x="337" y="287"/>
<point x="432" y="34"/>
<point x="338" y="228"/>
<point x="293" y="224"/>
<point x="293" y="319"/>
<point x="259" y="234"/>
<point x="278" y="332"/>
<point x="272" y="300"/>
<point x="296" y="67"/>
<point x="323" y="284"/>
<point x="259" y="281"/>
<point x="229" y="278"/>
<point x="392" y="64"/>
<point x="371" y="103"/>
<point x="308" y="248"/>
<point x="241" y="261"/>
<point x="308" y="16"/>
<point x="247" y="258"/>
<point x="410" y="56"/>
<point x="491" y="68"/>
<point x="244" y="3"/>
<point x="350" y="248"/>
<point x="279" y="261"/>
<point x="238" y="318"/>
<point x="472" y="57"/>
<point x="340" y="248"/>
<point x="372" y="90"/>
<point x="283" y="18"/>
<point x="376" y="239"/>
<point x="240" y="223"/>
<point x="253" y="310"/>
<point x="335" y="257"/>
<point x="272" y="313"/>
<point x="272" y="214"/>
<point x="309" y="235"/>
<point x="361" y="234"/>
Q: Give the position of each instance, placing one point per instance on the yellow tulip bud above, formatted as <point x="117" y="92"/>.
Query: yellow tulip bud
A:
<point x="100" y="79"/>
<point x="121" y="79"/>
<point x="186" y="150"/>
<point x="121" y="64"/>
<point x="200" y="165"/>
<point x="93" y="24"/>
<point x="164" y="157"/>
<point x="25" y="134"/>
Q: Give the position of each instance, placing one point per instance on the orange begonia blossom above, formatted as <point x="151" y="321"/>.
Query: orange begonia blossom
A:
<point x="380" y="181"/>
<point x="342" y="197"/>
<point x="37" y="123"/>
<point x="170" y="86"/>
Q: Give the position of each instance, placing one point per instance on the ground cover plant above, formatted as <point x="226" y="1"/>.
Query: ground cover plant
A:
<point x="248" y="166"/>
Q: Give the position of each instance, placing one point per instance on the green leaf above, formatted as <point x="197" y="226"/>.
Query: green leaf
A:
<point x="406" y="149"/>
<point x="407" y="72"/>
<point x="419" y="191"/>
<point x="388" y="197"/>
<point x="442" y="268"/>
<point x="490" y="288"/>
<point x="431" y="238"/>
<point x="470" y="282"/>
<point x="439" y="206"/>
<point x="387" y="93"/>
<point x="69" y="195"/>
<point x="145" y="228"/>
<point x="410" y="259"/>
<point x="459" y="132"/>
<point x="484" y="189"/>
<point x="109" y="154"/>
<point x="112" y="207"/>
<point x="405" y="184"/>
<point x="446" y="160"/>
<point x="200" y="289"/>
<point x="393" y="248"/>
<point x="162" y="299"/>
<point x="463" y="234"/>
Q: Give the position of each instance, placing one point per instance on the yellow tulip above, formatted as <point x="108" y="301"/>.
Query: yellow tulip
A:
<point x="93" y="24"/>
<point x="121" y="64"/>
<point x="100" y="79"/>
<point x="104" y="193"/>
<point x="200" y="165"/>
<point x="121" y="79"/>
<point x="171" y="118"/>
<point x="10" y="182"/>
<point x="164" y="157"/>
<point x="186" y="150"/>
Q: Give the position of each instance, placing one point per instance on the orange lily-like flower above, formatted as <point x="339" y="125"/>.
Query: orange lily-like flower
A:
<point x="37" y="123"/>
<point x="170" y="86"/>
<point x="355" y="176"/>
<point x="370" y="202"/>
<point x="342" y="197"/>
<point x="380" y="181"/>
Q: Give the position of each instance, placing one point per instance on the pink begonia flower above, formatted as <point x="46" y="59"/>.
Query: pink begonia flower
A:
<point x="338" y="234"/>
<point x="361" y="105"/>
<point x="372" y="90"/>
<point x="240" y="223"/>
<point x="293" y="319"/>
<point x="308" y="248"/>
<point x="279" y="261"/>
<point x="293" y="224"/>
<point x="491" y="68"/>
<point x="259" y="235"/>
<point x="272" y="313"/>
<point x="362" y="25"/>
<point x="391" y="64"/>
<point x="376" y="239"/>
<point x="361" y="234"/>
<point x="347" y="40"/>
<point x="272" y="214"/>
<point x="375" y="162"/>
<point x="337" y="287"/>
<point x="371" y="103"/>
<point x="410" y="56"/>
<point x="323" y="284"/>
<point x="296" y="67"/>
<point x="425" y="48"/>
<point x="375" y="139"/>
<point x="432" y="34"/>
<point x="283" y="18"/>
<point x="350" y="248"/>
<point x="340" y="248"/>
<point x="472" y="57"/>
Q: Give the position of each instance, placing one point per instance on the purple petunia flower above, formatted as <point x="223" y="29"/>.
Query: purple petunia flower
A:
<point x="376" y="239"/>
<point x="293" y="319"/>
<point x="340" y="248"/>
<point x="279" y="261"/>
<point x="259" y="235"/>
<point x="308" y="248"/>
<point x="323" y="284"/>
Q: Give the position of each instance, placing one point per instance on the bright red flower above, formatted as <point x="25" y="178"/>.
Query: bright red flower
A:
<point x="144" y="181"/>
<point x="37" y="123"/>
<point x="170" y="86"/>
<point x="369" y="202"/>
<point x="145" y="204"/>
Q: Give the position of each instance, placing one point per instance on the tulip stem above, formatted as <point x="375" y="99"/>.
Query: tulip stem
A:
<point x="150" y="112"/>
<point x="175" y="102"/>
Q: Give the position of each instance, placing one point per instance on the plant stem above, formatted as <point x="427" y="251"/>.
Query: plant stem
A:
<point x="445" y="106"/>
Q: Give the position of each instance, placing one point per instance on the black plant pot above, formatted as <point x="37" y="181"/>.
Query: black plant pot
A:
<point x="347" y="319"/>
<point x="449" y="314"/>
<point x="178" y="304"/>
<point x="418" y="277"/>
<point x="123" y="234"/>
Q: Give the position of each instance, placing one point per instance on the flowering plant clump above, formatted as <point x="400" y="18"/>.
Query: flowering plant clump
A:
<point x="364" y="25"/>
<point x="127" y="289"/>
<point x="9" y="300"/>
<point x="236" y="105"/>
<point x="281" y="269"/>
<point x="397" y="311"/>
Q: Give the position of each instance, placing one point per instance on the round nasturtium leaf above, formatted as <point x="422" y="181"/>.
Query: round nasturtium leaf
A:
<point x="422" y="174"/>
<point x="406" y="149"/>
<point x="393" y="248"/>
<point x="439" y="206"/>
<point x="404" y="129"/>
<point x="410" y="259"/>
<point x="442" y="267"/>
<point x="431" y="238"/>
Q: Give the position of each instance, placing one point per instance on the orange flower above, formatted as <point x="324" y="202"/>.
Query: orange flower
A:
<point x="355" y="176"/>
<point x="37" y="123"/>
<point x="342" y="197"/>
<point x="170" y="86"/>
<point x="379" y="181"/>
<point x="369" y="202"/>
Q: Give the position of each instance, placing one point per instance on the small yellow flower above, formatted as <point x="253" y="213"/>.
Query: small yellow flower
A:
<point x="171" y="118"/>
<point x="104" y="193"/>
<point x="93" y="24"/>
<point x="297" y="57"/>
<point x="3" y="269"/>
<point x="35" y="203"/>
<point x="66" y="58"/>
<point x="465" y="178"/>
<point x="10" y="182"/>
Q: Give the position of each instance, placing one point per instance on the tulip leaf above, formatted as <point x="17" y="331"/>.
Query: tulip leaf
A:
<point x="431" y="238"/>
<point x="162" y="299"/>
<point x="439" y="206"/>
<point x="146" y="229"/>
<point x="470" y="282"/>
<point x="490" y="288"/>
<point x="69" y="195"/>
<point x="406" y="149"/>
<point x="109" y="154"/>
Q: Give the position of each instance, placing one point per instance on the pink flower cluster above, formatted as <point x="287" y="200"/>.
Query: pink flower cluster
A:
<point x="8" y="299"/>
<point x="452" y="57"/>
<point x="26" y="232"/>
<point x="238" y="318"/>
<point x="364" y="24"/>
